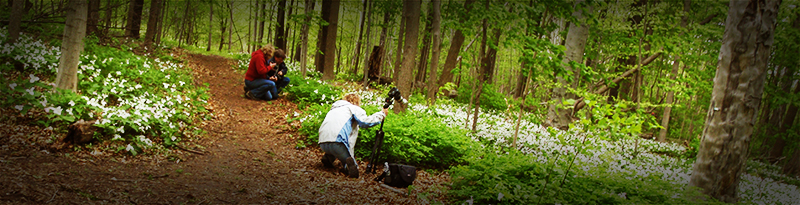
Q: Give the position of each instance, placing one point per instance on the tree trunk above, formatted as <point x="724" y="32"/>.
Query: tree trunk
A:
<point x="319" y="57"/>
<point x="410" y="51"/>
<point x="14" y="21"/>
<point x="330" y="40"/>
<point x="792" y="167"/>
<point x="357" y="51"/>
<point x="223" y="26"/>
<point x="93" y="18"/>
<point x="210" y="25"/>
<point x="134" y="19"/>
<point x="108" y="15"/>
<point x="426" y="47"/>
<point x="738" y="87"/>
<point x="576" y="42"/>
<point x="309" y="7"/>
<point x="230" y="25"/>
<point x="455" y="46"/>
<point x="436" y="34"/>
<point x="400" y="34"/>
<point x="280" y="31"/>
<point x="368" y="44"/>
<point x="152" y="23"/>
<point x="160" y="25"/>
<point x="662" y="134"/>
<point x="776" y="152"/>
<point x="72" y="45"/>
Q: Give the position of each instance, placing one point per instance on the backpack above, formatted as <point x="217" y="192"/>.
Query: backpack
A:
<point x="398" y="175"/>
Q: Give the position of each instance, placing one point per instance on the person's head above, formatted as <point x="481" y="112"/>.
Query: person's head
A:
<point x="279" y="55"/>
<point x="267" y="50"/>
<point x="353" y="99"/>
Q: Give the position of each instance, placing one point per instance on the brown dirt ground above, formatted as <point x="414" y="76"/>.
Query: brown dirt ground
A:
<point x="247" y="156"/>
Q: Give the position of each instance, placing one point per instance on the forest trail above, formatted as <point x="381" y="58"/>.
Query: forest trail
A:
<point x="247" y="156"/>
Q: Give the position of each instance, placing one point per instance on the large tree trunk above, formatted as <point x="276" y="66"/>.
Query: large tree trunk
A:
<point x="280" y="31"/>
<point x="435" y="51"/>
<point x="792" y="167"/>
<point x="662" y="134"/>
<point x="738" y="86"/>
<point x="576" y="42"/>
<point x="319" y="57"/>
<point x="152" y="23"/>
<point x="776" y="151"/>
<point x="412" y="33"/>
<point x="330" y="41"/>
<point x="14" y="21"/>
<point x="134" y="19"/>
<point x="309" y="7"/>
<point x="72" y="45"/>
<point x="455" y="46"/>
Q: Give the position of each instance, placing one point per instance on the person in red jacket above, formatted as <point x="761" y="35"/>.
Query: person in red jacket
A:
<point x="257" y="84"/>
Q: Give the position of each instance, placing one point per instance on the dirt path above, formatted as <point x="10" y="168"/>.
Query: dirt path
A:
<point x="247" y="156"/>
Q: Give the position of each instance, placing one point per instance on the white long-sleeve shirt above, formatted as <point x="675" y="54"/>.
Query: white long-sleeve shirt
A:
<point x="342" y="122"/>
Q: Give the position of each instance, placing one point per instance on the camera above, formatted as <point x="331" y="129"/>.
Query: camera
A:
<point x="394" y="94"/>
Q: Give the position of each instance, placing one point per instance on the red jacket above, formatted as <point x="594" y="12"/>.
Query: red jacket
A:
<point x="258" y="67"/>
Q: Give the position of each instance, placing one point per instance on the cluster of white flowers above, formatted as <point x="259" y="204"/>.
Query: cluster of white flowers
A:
<point x="630" y="157"/>
<point x="30" y="52"/>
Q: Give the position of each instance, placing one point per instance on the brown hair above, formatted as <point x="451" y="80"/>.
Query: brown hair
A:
<point x="279" y="53"/>
<point x="353" y="99"/>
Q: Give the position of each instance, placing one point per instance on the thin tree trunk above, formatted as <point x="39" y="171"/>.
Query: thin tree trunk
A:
<point x="400" y="34"/>
<point x="134" y="19"/>
<point x="152" y="23"/>
<point x="426" y="47"/>
<point x="309" y="7"/>
<point x="210" y="23"/>
<point x="230" y="25"/>
<point x="410" y="51"/>
<point x="72" y="45"/>
<point x="356" y="54"/>
<point x="368" y="46"/>
<point x="436" y="34"/>
<point x="93" y="18"/>
<point x="738" y="86"/>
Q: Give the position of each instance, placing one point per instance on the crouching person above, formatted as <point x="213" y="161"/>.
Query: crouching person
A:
<point x="339" y="132"/>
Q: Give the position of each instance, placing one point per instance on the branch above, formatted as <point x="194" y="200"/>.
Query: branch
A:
<point x="708" y="19"/>
<point x="616" y="80"/>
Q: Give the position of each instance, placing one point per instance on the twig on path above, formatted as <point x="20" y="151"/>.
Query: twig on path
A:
<point x="51" y="198"/>
<point x="217" y="198"/>
<point x="188" y="150"/>
<point x="121" y="180"/>
<point x="401" y="192"/>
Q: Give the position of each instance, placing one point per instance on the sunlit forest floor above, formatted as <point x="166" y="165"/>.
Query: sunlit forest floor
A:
<point x="248" y="155"/>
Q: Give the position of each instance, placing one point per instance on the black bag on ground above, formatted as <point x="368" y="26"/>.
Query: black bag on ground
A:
<point x="398" y="175"/>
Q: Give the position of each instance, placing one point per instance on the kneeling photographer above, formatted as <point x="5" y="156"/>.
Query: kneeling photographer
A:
<point x="339" y="132"/>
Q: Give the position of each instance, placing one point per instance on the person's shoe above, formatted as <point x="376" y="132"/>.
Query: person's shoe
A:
<point x="327" y="162"/>
<point x="352" y="169"/>
<point x="249" y="95"/>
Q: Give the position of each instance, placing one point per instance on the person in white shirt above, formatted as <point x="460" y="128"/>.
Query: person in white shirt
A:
<point x="339" y="132"/>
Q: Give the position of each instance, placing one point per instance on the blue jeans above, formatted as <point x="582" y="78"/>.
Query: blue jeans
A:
<point x="337" y="149"/>
<point x="262" y="88"/>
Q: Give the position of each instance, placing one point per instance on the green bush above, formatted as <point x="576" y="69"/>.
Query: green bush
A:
<point x="490" y="98"/>
<point x="517" y="178"/>
<point x="310" y="91"/>
<point x="411" y="138"/>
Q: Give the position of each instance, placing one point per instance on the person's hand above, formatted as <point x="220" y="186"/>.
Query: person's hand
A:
<point x="385" y="111"/>
<point x="280" y="73"/>
<point x="273" y="78"/>
<point x="272" y="64"/>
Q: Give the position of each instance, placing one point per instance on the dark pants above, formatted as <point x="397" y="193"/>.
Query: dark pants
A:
<point x="262" y="88"/>
<point x="335" y="150"/>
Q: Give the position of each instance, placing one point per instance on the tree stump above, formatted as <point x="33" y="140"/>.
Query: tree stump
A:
<point x="81" y="132"/>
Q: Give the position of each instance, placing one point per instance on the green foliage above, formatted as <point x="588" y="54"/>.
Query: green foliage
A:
<point x="307" y="91"/>
<point x="411" y="138"/>
<point x="499" y="177"/>
<point x="490" y="98"/>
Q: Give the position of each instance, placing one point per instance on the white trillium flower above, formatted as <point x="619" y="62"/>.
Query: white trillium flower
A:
<point x="12" y="85"/>
<point x="117" y="137"/>
<point x="71" y="103"/>
<point x="29" y="90"/>
<point x="19" y="107"/>
<point x="129" y="148"/>
<point x="315" y="91"/>
<point x="33" y="78"/>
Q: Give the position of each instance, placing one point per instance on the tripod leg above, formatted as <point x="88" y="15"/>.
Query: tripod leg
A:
<point x="376" y="149"/>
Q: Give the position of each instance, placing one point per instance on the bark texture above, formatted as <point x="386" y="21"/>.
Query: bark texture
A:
<point x="410" y="51"/>
<point x="72" y="45"/>
<point x="575" y="43"/>
<point x="436" y="34"/>
<point x="735" y="99"/>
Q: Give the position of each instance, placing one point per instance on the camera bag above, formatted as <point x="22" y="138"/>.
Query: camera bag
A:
<point x="399" y="175"/>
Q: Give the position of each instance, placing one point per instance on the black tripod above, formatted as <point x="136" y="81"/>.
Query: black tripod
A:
<point x="376" y="149"/>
